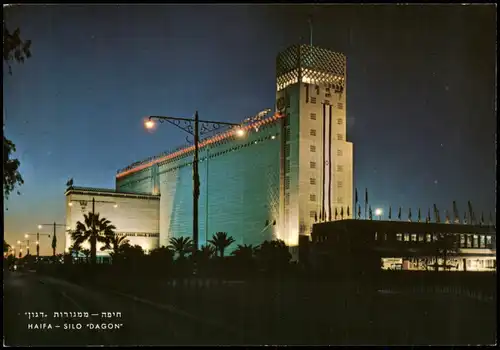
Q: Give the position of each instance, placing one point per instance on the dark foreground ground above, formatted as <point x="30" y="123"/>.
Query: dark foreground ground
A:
<point x="261" y="312"/>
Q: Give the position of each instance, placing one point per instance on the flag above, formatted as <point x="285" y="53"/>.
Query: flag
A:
<point x="390" y="213"/>
<point x="371" y="215"/>
<point x="348" y="212"/>
<point x="409" y="214"/>
<point x="482" y="218"/>
<point x="419" y="216"/>
<point x="428" y="218"/>
<point x="356" y="196"/>
<point x="342" y="213"/>
<point x="465" y="218"/>
<point x="69" y="183"/>
<point x="399" y="214"/>
<point x="447" y="218"/>
<point x="336" y="214"/>
<point x="359" y="211"/>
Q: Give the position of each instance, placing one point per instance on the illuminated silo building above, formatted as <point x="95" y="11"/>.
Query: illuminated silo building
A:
<point x="290" y="169"/>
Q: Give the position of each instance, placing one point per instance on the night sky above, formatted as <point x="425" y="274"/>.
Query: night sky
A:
<point x="420" y="94"/>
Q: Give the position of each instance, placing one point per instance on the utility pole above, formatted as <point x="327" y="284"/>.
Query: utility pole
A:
<point x="196" y="181"/>
<point x="191" y="126"/>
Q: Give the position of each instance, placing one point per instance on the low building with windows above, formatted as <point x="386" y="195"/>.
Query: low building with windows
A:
<point x="134" y="215"/>
<point x="376" y="244"/>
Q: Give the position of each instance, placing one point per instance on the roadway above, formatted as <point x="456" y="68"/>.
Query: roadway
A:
<point x="139" y="324"/>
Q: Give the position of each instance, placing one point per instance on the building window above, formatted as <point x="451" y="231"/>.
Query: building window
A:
<point x="339" y="152"/>
<point x="399" y="236"/>
<point x="313" y="116"/>
<point x="469" y="241"/>
<point x="312" y="181"/>
<point x="488" y="241"/>
<point x="476" y="241"/>
<point x="312" y="132"/>
<point x="339" y="184"/>
<point x="312" y="197"/>
<point x="462" y="241"/>
<point x="340" y="105"/>
<point x="481" y="241"/>
<point x="340" y="121"/>
<point x="413" y="237"/>
<point x="340" y="168"/>
<point x="376" y="235"/>
<point x="340" y="137"/>
<point x="287" y="150"/>
<point x="340" y="200"/>
<point x="287" y="198"/>
<point x="287" y="182"/>
<point x="312" y="148"/>
<point x="421" y="237"/>
<point x="327" y="102"/>
<point x="313" y="99"/>
<point x="428" y="237"/>
<point x="287" y="166"/>
<point x="407" y="237"/>
<point x="312" y="165"/>
<point x="312" y="214"/>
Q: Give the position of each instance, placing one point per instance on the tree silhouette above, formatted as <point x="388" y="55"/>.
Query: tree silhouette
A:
<point x="11" y="175"/>
<point x="93" y="229"/>
<point x="14" y="49"/>
<point x="114" y="242"/>
<point x="221" y="241"/>
<point x="6" y="246"/>
<point x="181" y="246"/>
<point x="273" y="255"/>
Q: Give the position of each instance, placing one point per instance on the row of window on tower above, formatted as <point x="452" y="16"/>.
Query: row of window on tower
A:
<point x="340" y="137"/>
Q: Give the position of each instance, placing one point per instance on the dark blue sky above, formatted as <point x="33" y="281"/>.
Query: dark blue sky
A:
<point x="420" y="91"/>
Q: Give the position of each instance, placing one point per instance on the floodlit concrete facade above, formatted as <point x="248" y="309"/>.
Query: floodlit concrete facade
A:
<point x="134" y="215"/>
<point x="288" y="171"/>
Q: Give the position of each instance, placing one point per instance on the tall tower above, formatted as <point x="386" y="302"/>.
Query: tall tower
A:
<point x="317" y="160"/>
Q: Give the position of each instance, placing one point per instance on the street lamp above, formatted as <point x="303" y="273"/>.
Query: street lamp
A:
<point x="38" y="240"/>
<point x="378" y="212"/>
<point x="192" y="127"/>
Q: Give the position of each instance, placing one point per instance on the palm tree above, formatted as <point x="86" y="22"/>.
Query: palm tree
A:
<point x="76" y="249"/>
<point x="221" y="241"/>
<point x="114" y="242"/>
<point x="181" y="245"/>
<point x="93" y="229"/>
<point x="244" y="252"/>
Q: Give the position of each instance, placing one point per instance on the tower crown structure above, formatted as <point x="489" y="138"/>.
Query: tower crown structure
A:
<point x="311" y="65"/>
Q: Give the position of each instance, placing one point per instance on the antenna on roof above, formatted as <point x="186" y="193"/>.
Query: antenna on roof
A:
<point x="309" y="20"/>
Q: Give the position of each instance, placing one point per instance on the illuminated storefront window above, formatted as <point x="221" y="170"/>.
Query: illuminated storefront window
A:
<point x="407" y="237"/>
<point x="399" y="236"/>
<point x="428" y="237"/>
<point x="462" y="241"/>
<point x="413" y="237"/>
